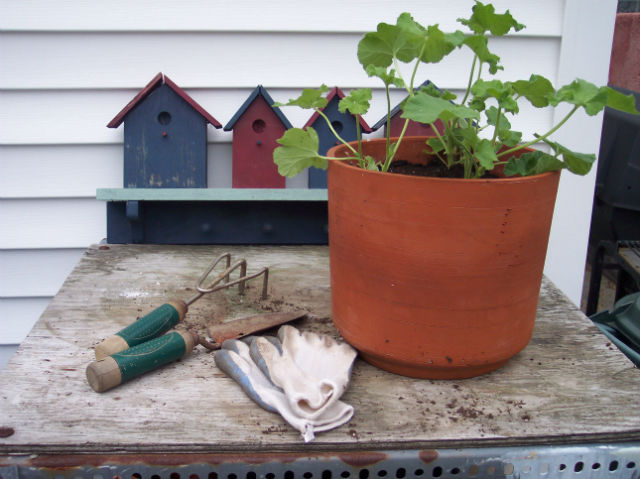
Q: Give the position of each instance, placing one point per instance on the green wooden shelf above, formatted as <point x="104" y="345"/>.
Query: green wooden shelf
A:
<point x="211" y="194"/>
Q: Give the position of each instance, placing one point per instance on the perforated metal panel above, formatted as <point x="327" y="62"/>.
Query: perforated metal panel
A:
<point x="594" y="461"/>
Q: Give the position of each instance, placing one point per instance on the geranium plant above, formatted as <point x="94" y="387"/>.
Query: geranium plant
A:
<point x="473" y="131"/>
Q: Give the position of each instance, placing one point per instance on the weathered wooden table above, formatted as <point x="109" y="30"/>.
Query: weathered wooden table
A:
<point x="567" y="404"/>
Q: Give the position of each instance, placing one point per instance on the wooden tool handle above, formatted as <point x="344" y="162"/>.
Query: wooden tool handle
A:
<point x="154" y="324"/>
<point x="120" y="367"/>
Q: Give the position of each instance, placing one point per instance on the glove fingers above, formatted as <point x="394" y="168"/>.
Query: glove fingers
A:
<point x="308" y="396"/>
<point x="271" y="349"/>
<point x="317" y="354"/>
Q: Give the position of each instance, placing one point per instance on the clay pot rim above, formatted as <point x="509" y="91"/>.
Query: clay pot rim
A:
<point x="510" y="179"/>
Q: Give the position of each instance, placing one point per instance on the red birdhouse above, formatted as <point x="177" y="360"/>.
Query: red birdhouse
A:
<point x="256" y="127"/>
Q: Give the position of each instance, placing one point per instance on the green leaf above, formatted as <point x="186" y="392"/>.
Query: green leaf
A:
<point x="501" y="123"/>
<point x="483" y="151"/>
<point x="435" y="144"/>
<point x="425" y="108"/>
<point x="620" y="101"/>
<point x="357" y="102"/>
<point x="412" y="32"/>
<point x="506" y="135"/>
<point x="388" y="77"/>
<point x="578" y="163"/>
<point x="593" y="98"/>
<point x="510" y="138"/>
<point x="309" y="99"/>
<point x="502" y="92"/>
<point x="370" y="163"/>
<point x="457" y="38"/>
<point x="431" y="89"/>
<point x="582" y="93"/>
<point x="430" y="43"/>
<point x="538" y="90"/>
<point x="532" y="163"/>
<point x="388" y="41"/>
<point x="299" y="150"/>
<point x="485" y="19"/>
<point x="437" y="45"/>
<point x="479" y="45"/>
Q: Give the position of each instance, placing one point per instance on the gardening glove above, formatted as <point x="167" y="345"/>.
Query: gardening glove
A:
<point x="312" y="370"/>
<point x="235" y="360"/>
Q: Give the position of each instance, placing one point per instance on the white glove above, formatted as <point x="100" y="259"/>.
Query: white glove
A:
<point x="312" y="370"/>
<point x="245" y="364"/>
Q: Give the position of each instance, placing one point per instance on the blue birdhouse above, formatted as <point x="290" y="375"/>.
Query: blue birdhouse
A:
<point x="165" y="138"/>
<point x="343" y="123"/>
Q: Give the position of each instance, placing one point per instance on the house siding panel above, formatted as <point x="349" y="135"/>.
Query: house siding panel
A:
<point x="69" y="67"/>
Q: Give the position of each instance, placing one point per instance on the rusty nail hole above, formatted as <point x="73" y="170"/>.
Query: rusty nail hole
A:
<point x="6" y="431"/>
<point x="103" y="248"/>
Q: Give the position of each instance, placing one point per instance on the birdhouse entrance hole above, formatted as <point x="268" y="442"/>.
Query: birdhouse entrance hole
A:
<point x="164" y="118"/>
<point x="258" y="126"/>
<point x="337" y="125"/>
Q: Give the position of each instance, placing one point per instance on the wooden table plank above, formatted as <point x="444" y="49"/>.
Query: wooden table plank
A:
<point x="570" y="385"/>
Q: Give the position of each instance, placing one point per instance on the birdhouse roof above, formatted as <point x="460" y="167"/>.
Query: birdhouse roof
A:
<point x="161" y="79"/>
<point x="336" y="91"/>
<point x="398" y="107"/>
<point x="258" y="91"/>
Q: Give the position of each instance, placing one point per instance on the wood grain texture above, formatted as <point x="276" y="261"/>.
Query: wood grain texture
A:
<point x="570" y="385"/>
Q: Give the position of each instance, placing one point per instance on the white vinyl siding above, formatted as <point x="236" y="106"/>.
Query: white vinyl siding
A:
<point x="67" y="68"/>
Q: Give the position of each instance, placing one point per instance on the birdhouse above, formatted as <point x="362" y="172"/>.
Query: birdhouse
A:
<point x="397" y="122"/>
<point x="165" y="138"/>
<point x="256" y="127"/>
<point x="343" y="123"/>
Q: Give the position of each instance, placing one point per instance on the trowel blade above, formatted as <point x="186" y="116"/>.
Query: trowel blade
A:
<point x="239" y="328"/>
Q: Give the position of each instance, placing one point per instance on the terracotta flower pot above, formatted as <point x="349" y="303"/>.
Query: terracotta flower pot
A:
<point x="435" y="278"/>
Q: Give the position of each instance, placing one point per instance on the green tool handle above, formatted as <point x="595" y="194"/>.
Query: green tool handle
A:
<point x="125" y="365"/>
<point x="154" y="324"/>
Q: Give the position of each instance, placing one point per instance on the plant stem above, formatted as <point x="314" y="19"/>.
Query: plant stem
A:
<point x="473" y="68"/>
<point x="540" y="138"/>
<point x="359" y="135"/>
<point x="388" y="128"/>
<point x="335" y="133"/>
<point x="479" y="71"/>
<point x="390" y="157"/>
<point x="415" y="71"/>
<point x="342" y="158"/>
<point x="495" y="128"/>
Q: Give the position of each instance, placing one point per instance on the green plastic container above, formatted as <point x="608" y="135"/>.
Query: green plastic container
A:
<point x="622" y="325"/>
